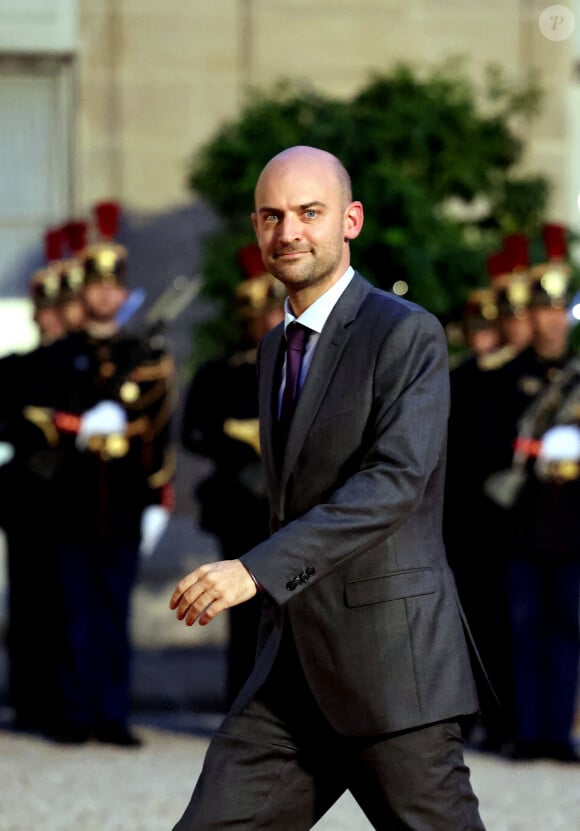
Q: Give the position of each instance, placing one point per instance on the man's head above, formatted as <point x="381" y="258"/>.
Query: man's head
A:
<point x="73" y="309"/>
<point x="304" y="219"/>
<point x="480" y="321"/>
<point x="513" y="298"/>
<point x="105" y="281"/>
<point x="550" y="294"/>
<point x="47" y="312"/>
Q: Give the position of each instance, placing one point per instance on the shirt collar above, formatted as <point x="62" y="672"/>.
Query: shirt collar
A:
<point x="316" y="315"/>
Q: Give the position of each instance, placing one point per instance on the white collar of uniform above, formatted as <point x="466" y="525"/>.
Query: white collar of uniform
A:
<point x="316" y="315"/>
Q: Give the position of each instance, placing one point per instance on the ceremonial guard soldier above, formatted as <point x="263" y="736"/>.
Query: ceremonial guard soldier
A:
<point x="45" y="290"/>
<point x="473" y="523"/>
<point x="47" y="313"/>
<point x="55" y="290"/>
<point x="27" y="516"/>
<point x="538" y="433"/>
<point x="103" y="399"/>
<point x="220" y="422"/>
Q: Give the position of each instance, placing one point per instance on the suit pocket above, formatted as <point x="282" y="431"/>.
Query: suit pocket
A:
<point x="395" y="586"/>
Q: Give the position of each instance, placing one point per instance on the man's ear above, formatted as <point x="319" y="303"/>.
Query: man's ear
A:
<point x="255" y="222"/>
<point x="353" y="220"/>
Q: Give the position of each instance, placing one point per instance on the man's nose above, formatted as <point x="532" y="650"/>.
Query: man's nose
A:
<point x="289" y="228"/>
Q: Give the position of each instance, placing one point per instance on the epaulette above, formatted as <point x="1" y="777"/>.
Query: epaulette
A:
<point x="496" y="359"/>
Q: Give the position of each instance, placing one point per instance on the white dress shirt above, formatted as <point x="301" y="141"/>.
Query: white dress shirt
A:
<point x="314" y="318"/>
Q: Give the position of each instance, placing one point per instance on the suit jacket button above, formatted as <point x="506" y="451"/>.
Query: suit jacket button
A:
<point x="291" y="585"/>
<point x="310" y="571"/>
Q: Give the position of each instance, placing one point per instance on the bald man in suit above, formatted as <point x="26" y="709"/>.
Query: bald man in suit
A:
<point x="363" y="675"/>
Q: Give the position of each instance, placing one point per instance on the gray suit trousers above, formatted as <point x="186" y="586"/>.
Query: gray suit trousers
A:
<point x="277" y="764"/>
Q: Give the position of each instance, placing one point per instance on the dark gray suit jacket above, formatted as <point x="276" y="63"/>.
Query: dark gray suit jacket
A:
<point x="356" y="558"/>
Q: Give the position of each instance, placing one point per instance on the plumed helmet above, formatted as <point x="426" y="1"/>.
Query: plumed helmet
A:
<point x="551" y="280"/>
<point x="72" y="276"/>
<point x="480" y="309"/>
<point x="44" y="287"/>
<point x="512" y="292"/>
<point x="105" y="262"/>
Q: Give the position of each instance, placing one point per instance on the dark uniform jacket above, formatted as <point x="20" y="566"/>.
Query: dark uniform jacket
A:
<point x="545" y="517"/>
<point x="103" y="489"/>
<point x="220" y="422"/>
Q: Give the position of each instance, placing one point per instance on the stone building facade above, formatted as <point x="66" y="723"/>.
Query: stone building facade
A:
<point x="108" y="99"/>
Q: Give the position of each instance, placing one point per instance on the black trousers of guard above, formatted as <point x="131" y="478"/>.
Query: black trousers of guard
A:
<point x="96" y="584"/>
<point x="279" y="765"/>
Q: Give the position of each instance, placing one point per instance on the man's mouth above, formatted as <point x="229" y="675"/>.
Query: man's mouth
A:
<point x="292" y="252"/>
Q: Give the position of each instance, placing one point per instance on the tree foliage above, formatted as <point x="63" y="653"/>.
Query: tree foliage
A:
<point x="433" y="159"/>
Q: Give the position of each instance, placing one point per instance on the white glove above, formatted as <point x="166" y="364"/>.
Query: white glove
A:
<point x="560" y="444"/>
<point x="154" y="521"/>
<point x="104" y="419"/>
<point x="559" y="455"/>
<point x="6" y="453"/>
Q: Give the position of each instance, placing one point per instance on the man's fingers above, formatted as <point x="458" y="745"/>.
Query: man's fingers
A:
<point x="186" y="588"/>
<point x="194" y="599"/>
<point x="179" y="590"/>
<point x="207" y="613"/>
<point x="201" y="595"/>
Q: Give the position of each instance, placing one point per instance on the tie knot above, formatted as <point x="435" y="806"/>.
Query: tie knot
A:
<point x="296" y="336"/>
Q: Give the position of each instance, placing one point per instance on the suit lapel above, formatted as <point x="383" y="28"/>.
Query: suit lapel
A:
<point x="271" y="356"/>
<point x="333" y="341"/>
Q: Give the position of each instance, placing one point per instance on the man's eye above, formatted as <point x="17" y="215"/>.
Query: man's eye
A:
<point x="271" y="218"/>
<point x="311" y="213"/>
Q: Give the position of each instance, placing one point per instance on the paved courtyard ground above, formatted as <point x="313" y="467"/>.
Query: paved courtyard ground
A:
<point x="178" y="696"/>
<point x="96" y="788"/>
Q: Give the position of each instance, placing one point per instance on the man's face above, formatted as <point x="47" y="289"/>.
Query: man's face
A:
<point x="517" y="330"/>
<point x="50" y="323"/>
<point x="484" y="340"/>
<point x="550" y="328"/>
<point x="74" y="314"/>
<point x="302" y="220"/>
<point x="103" y="301"/>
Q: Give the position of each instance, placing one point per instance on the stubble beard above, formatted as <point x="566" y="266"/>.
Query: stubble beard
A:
<point x="312" y="270"/>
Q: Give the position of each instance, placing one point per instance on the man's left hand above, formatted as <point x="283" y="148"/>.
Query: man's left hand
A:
<point x="204" y="593"/>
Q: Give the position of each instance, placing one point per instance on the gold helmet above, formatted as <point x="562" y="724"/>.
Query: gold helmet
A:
<point x="550" y="285"/>
<point x="512" y="291"/>
<point x="480" y="309"/>
<point x="105" y="262"/>
<point x="72" y="274"/>
<point x="551" y="280"/>
<point x="45" y="287"/>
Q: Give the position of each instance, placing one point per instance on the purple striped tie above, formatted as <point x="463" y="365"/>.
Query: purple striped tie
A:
<point x="296" y="337"/>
